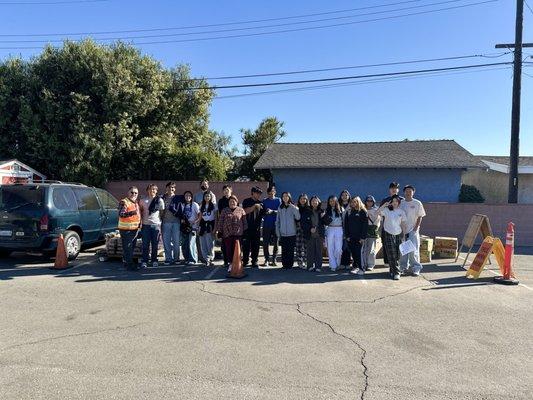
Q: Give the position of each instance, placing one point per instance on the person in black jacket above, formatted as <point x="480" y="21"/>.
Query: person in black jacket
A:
<point x="313" y="230"/>
<point x="355" y="231"/>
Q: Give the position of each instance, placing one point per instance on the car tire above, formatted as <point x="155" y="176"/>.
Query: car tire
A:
<point x="72" y="244"/>
<point x="5" y="253"/>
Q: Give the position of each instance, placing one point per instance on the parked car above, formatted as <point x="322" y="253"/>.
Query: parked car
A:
<point x="33" y="215"/>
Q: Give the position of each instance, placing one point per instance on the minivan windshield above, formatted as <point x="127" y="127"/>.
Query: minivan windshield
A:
<point x="19" y="197"/>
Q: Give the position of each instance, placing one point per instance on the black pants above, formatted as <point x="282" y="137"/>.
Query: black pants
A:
<point x="355" y="250"/>
<point x="251" y="241"/>
<point x="269" y="236"/>
<point x="385" y="258"/>
<point x="315" y="246"/>
<point x="129" y="239"/>
<point x="345" y="257"/>
<point x="287" y="250"/>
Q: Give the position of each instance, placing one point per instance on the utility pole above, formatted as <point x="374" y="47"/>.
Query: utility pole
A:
<point x="515" y="113"/>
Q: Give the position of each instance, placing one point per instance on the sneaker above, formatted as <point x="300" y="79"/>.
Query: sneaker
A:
<point x="265" y="264"/>
<point x="155" y="264"/>
<point x="333" y="269"/>
<point x="167" y="263"/>
<point x="229" y="268"/>
<point x="369" y="268"/>
<point x="312" y="269"/>
<point x="360" y="272"/>
<point x="416" y="273"/>
<point x="273" y="264"/>
<point x="404" y="272"/>
<point x="396" y="277"/>
<point x="144" y="265"/>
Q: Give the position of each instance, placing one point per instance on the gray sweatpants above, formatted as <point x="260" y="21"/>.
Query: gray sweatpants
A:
<point x="207" y="244"/>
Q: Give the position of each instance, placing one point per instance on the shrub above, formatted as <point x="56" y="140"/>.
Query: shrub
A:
<point x="470" y="194"/>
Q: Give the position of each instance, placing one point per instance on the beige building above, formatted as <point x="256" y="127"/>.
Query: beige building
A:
<point x="493" y="182"/>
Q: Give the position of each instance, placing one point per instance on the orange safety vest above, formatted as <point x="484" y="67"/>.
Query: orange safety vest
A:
<point x="130" y="223"/>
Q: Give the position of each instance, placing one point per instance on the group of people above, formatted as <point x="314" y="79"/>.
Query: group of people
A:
<point x="347" y="227"/>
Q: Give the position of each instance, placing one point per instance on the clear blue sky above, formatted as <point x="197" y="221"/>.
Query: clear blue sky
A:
<point x="472" y="108"/>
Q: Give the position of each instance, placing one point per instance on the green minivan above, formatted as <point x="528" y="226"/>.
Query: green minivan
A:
<point x="33" y="215"/>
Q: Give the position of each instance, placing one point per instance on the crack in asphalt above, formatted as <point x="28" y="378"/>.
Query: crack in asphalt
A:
<point x="298" y="306"/>
<point x="357" y="344"/>
<point x="118" y="328"/>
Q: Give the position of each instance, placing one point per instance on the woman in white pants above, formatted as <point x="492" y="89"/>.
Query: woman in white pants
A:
<point x="333" y="219"/>
<point x="369" y="246"/>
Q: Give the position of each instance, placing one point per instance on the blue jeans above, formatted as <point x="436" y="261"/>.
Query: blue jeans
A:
<point x="150" y="236"/>
<point x="171" y="240"/>
<point x="189" y="247"/>
<point x="412" y="260"/>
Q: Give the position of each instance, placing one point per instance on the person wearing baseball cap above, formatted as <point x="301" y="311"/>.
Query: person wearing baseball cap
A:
<point x="394" y="189"/>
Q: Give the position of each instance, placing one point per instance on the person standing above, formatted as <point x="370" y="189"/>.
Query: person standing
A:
<point x="368" y="257"/>
<point x="414" y="211"/>
<point x="151" y="208"/>
<point x="301" y="250"/>
<point x="334" y="236"/>
<point x="208" y="212"/>
<point x="394" y="189"/>
<point x="231" y="225"/>
<point x="223" y="203"/>
<point x="355" y="232"/>
<point x="271" y="206"/>
<point x="129" y="222"/>
<point x="198" y="198"/>
<point x="313" y="231"/>
<point x="287" y="217"/>
<point x="189" y="228"/>
<point x="344" y="201"/>
<point x="170" y="227"/>
<point x="394" y="219"/>
<point x="253" y="207"/>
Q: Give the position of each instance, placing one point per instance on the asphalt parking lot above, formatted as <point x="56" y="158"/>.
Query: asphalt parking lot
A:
<point x="98" y="332"/>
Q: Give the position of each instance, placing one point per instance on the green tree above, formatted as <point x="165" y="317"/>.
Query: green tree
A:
<point x="92" y="113"/>
<point x="255" y="142"/>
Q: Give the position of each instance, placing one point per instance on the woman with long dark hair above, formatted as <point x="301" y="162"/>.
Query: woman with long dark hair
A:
<point x="355" y="232"/>
<point x="189" y="228"/>
<point x="313" y="231"/>
<point x="333" y="217"/>
<point x="208" y="212"/>
<point x="288" y="216"/>
<point x="301" y="250"/>
<point x="393" y="227"/>
<point x="344" y="201"/>
<point x="231" y="225"/>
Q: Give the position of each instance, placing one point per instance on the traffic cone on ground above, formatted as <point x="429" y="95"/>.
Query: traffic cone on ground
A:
<point x="237" y="271"/>
<point x="508" y="277"/>
<point x="61" y="261"/>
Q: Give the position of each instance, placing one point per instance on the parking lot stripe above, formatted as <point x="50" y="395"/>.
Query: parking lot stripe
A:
<point x="212" y="273"/>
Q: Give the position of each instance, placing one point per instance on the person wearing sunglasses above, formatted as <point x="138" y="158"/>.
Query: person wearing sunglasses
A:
<point x="129" y="222"/>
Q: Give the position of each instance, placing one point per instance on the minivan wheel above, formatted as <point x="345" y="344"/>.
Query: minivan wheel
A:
<point x="72" y="244"/>
<point x="5" y="253"/>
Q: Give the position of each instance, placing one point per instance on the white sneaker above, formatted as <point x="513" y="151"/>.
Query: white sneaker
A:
<point x="144" y="265"/>
<point x="360" y="272"/>
<point x="416" y="273"/>
<point x="396" y="277"/>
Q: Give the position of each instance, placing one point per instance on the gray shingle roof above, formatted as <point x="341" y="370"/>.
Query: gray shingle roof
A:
<point x="523" y="161"/>
<point x="404" y="154"/>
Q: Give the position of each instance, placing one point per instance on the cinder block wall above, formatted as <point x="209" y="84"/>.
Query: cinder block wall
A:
<point x="445" y="219"/>
<point x="242" y="190"/>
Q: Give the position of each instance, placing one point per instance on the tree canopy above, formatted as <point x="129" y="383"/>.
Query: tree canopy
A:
<point x="92" y="113"/>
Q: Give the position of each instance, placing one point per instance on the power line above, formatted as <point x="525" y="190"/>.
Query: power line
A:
<point x="240" y="29"/>
<point x="32" y="3"/>
<point x="341" y="78"/>
<point x="307" y="71"/>
<point x="287" y="30"/>
<point x="527" y="5"/>
<point x="214" y="25"/>
<point x="362" y="82"/>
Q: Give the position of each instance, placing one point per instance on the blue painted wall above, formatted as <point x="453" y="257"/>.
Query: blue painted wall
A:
<point x="431" y="184"/>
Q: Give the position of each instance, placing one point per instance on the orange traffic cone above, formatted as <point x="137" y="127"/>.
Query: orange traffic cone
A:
<point x="508" y="277"/>
<point x="61" y="261"/>
<point x="237" y="271"/>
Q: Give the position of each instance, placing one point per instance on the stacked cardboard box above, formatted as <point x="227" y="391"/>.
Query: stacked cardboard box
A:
<point x="446" y="247"/>
<point x="426" y="249"/>
<point x="113" y="246"/>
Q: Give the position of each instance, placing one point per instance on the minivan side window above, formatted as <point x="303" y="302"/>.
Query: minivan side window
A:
<point x="63" y="199"/>
<point x="87" y="200"/>
<point x="108" y="201"/>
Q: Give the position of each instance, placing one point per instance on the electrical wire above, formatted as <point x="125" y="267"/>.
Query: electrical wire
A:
<point x="240" y="29"/>
<point x="527" y="5"/>
<point x="286" y="30"/>
<point x="341" y="78"/>
<point x="213" y="25"/>
<point x="362" y="82"/>
<point x="308" y="71"/>
<point x="35" y="3"/>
